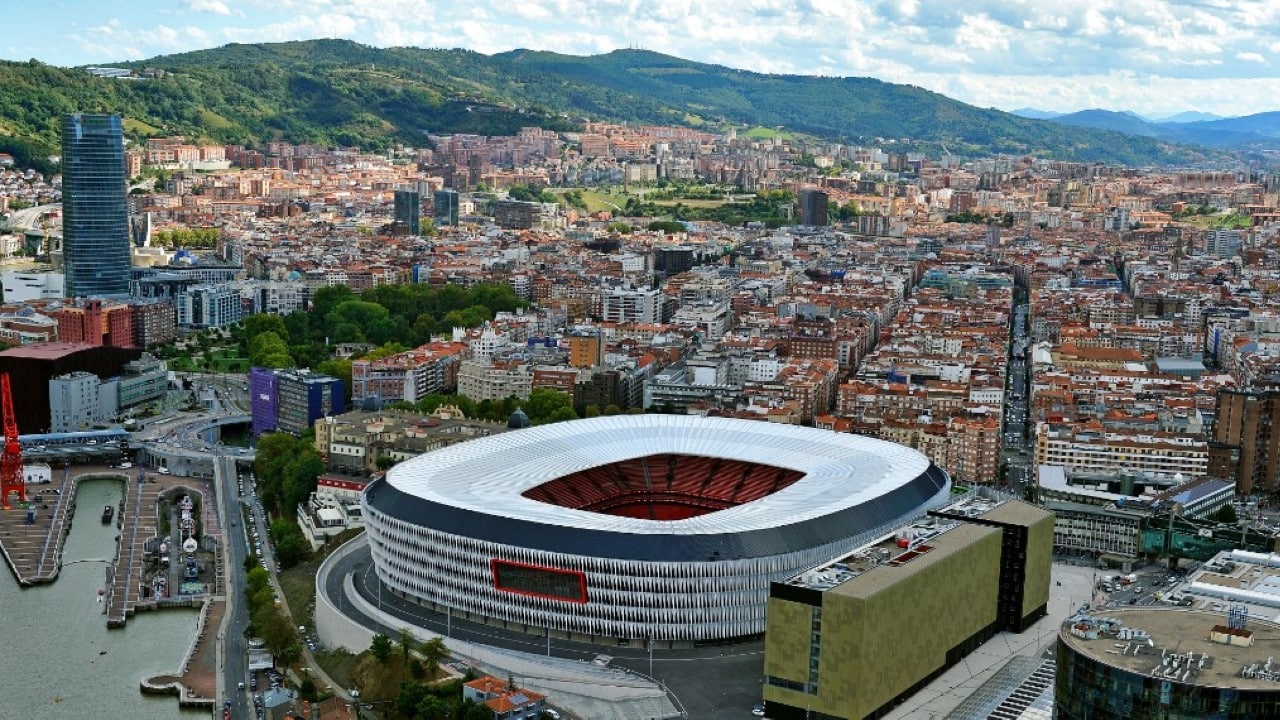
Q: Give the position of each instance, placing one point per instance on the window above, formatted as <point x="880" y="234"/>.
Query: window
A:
<point x="538" y="581"/>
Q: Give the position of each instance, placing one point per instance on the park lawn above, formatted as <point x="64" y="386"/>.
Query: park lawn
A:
<point x="229" y="361"/>
<point x="690" y="203"/>
<point x="600" y="201"/>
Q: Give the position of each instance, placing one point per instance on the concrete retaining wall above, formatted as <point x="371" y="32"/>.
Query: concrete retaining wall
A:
<point x="335" y="629"/>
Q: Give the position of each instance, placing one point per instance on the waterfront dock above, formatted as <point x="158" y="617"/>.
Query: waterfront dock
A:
<point x="195" y="685"/>
<point x="33" y="550"/>
<point x="140" y="523"/>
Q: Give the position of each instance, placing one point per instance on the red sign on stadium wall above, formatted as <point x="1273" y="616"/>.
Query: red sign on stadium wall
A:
<point x="539" y="581"/>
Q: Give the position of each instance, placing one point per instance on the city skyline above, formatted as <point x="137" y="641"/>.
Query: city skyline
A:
<point x="1158" y="59"/>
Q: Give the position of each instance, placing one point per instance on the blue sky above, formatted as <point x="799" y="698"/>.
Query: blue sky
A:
<point x="1157" y="57"/>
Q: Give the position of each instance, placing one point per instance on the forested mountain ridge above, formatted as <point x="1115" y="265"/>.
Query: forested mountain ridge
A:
<point x="339" y="92"/>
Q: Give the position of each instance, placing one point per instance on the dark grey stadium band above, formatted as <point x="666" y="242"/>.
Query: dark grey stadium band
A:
<point x="762" y="542"/>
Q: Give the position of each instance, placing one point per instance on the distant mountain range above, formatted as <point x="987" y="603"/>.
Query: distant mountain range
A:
<point x="1196" y="128"/>
<point x="343" y="93"/>
<point x="1261" y="130"/>
<point x="1182" y="117"/>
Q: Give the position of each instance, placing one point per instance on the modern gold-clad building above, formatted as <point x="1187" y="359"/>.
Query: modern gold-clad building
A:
<point x="854" y="638"/>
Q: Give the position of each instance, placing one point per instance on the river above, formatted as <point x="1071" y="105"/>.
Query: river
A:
<point x="57" y="658"/>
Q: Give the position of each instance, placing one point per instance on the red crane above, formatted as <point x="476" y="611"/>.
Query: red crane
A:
<point x="11" y="462"/>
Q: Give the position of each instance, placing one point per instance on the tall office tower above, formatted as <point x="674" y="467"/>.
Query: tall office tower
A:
<point x="95" y="222"/>
<point x="446" y="212"/>
<point x="813" y="207"/>
<point x="408" y="210"/>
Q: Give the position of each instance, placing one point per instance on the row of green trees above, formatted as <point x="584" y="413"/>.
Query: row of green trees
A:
<point x="770" y="207"/>
<point x="977" y="218"/>
<point x="404" y="316"/>
<point x="544" y="406"/>
<point x="198" y="237"/>
<point x="400" y="672"/>
<point x="286" y="469"/>
<point x="267" y="620"/>
<point x="531" y="193"/>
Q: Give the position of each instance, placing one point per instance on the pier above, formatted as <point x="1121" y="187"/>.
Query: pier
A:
<point x="33" y="550"/>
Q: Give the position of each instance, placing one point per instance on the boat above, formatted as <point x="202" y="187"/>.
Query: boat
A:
<point x="107" y="513"/>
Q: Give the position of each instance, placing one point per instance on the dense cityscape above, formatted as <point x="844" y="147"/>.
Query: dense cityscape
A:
<point x="602" y="419"/>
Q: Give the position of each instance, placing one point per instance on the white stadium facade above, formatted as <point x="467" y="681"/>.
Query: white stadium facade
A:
<point x="662" y="527"/>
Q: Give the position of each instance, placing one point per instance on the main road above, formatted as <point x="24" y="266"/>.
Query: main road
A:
<point x="235" y="658"/>
<point x="713" y="681"/>
<point x="180" y="434"/>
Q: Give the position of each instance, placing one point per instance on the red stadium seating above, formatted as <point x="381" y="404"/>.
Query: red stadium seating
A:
<point x="664" y="487"/>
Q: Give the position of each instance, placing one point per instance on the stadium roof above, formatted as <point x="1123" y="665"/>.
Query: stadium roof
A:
<point x="46" y="351"/>
<point x="488" y="475"/>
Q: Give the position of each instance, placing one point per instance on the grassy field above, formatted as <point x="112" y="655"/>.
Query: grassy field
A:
<point x="598" y="200"/>
<point x="764" y="133"/>
<point x="1221" y="221"/>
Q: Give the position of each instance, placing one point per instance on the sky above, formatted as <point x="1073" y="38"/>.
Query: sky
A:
<point x="1156" y="57"/>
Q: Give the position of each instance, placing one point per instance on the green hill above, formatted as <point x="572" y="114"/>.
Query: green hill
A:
<point x="343" y="93"/>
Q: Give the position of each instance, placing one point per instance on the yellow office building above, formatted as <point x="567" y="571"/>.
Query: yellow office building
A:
<point x="854" y="638"/>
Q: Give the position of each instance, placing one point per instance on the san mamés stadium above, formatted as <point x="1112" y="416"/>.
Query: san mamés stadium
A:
<point x="642" y="526"/>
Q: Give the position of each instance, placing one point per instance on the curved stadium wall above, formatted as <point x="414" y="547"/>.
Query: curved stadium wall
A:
<point x="653" y="526"/>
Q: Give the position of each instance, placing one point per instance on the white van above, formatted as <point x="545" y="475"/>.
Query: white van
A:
<point x="163" y="471"/>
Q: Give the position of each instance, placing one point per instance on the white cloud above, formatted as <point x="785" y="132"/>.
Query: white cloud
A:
<point x="217" y="7"/>
<point x="1064" y="54"/>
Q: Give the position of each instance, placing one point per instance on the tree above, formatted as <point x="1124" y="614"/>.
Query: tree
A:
<point x="299" y="479"/>
<point x="546" y="405"/>
<point x="433" y="653"/>
<point x="380" y="647"/>
<point x="432" y="708"/>
<point x="336" y="367"/>
<point x="562" y="414"/>
<point x="307" y="689"/>
<point x="255" y="325"/>
<point x="290" y="654"/>
<point x="293" y="550"/>
<point x="276" y="630"/>
<point x="256" y="580"/>
<point x="665" y="226"/>
<point x="268" y="350"/>
<point x="292" y="546"/>
<point x="407" y="642"/>
<point x="1225" y="514"/>
<point x="406" y="701"/>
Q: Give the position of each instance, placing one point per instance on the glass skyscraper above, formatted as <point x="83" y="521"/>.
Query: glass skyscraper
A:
<point x="95" y="218"/>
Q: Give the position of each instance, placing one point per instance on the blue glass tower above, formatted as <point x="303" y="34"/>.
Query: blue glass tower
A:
<point x="95" y="217"/>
